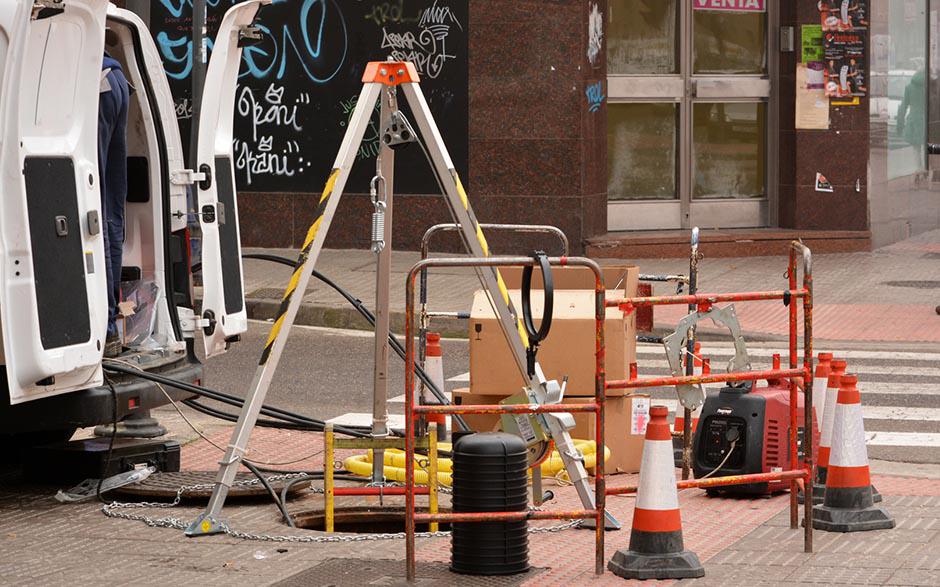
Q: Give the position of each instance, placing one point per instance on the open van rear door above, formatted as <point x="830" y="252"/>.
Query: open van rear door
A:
<point x="223" y="298"/>
<point x="53" y="293"/>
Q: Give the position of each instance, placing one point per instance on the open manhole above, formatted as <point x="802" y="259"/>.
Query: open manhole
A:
<point x="362" y="520"/>
<point x="915" y="284"/>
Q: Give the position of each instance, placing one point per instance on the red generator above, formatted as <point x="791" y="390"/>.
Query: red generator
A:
<point x="745" y="430"/>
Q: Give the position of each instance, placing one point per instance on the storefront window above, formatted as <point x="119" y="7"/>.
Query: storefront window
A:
<point x="642" y="141"/>
<point x="901" y="56"/>
<point x="728" y="150"/>
<point x="729" y="42"/>
<point x="642" y="37"/>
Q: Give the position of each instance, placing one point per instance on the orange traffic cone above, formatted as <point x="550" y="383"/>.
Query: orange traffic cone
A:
<point x="434" y="366"/>
<point x="849" y="506"/>
<point x="656" y="548"/>
<point x="836" y="370"/>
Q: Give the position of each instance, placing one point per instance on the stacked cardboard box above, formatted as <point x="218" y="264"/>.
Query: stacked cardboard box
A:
<point x="568" y="351"/>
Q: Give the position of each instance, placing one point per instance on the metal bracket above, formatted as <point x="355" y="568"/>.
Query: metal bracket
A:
<point x="693" y="395"/>
<point x="399" y="131"/>
<point x="186" y="177"/>
<point x="47" y="8"/>
<point x="249" y="34"/>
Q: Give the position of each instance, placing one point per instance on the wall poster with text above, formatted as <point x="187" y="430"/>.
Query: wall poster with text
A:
<point x="845" y="47"/>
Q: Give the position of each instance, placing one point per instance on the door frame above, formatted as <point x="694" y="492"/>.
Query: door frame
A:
<point x="680" y="89"/>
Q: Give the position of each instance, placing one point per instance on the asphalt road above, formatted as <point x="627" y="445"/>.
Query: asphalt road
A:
<point x="326" y="373"/>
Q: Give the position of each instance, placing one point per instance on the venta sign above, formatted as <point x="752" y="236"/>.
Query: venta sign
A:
<point x="731" y="5"/>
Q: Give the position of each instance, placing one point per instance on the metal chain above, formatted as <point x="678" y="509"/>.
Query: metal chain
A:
<point x="111" y="510"/>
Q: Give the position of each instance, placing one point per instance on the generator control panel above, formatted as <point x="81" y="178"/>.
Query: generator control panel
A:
<point x="721" y="432"/>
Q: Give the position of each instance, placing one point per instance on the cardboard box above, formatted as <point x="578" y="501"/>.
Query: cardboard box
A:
<point x="623" y="277"/>
<point x="568" y="350"/>
<point x="625" y="419"/>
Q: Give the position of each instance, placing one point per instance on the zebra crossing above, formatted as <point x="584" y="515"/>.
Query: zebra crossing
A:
<point x="900" y="390"/>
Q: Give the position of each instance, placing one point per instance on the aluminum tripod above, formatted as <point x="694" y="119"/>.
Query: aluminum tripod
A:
<point x="384" y="78"/>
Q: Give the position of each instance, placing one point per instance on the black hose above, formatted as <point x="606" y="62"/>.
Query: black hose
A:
<point x="228" y="417"/>
<point x="393" y="341"/>
<point x="537" y="336"/>
<point x="277" y="500"/>
<point x="297" y="419"/>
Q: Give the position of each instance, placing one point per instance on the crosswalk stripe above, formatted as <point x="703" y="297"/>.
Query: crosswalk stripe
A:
<point x="726" y="349"/>
<point x="913" y="439"/>
<point x="718" y="364"/>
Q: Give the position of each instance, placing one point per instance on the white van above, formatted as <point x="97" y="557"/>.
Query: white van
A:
<point x="53" y="302"/>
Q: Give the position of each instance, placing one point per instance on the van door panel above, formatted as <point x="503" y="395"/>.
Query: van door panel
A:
<point x="53" y="293"/>
<point x="55" y="232"/>
<point x="223" y="302"/>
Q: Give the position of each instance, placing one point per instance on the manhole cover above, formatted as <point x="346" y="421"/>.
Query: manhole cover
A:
<point x="914" y="284"/>
<point x="344" y="572"/>
<point x="165" y="485"/>
<point x="362" y="520"/>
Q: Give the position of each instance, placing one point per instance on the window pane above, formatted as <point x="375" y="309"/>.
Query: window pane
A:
<point x="729" y="150"/>
<point x="642" y="37"/>
<point x="641" y="151"/>
<point x="728" y="42"/>
<point x="907" y="88"/>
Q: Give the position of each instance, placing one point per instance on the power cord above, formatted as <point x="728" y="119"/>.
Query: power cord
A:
<point x="114" y="423"/>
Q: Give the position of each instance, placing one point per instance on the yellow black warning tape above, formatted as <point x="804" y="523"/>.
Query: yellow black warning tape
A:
<point x="299" y="265"/>
<point x="503" y="290"/>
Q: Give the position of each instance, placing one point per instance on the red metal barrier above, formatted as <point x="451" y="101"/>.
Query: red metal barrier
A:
<point x="413" y="411"/>
<point x="794" y="374"/>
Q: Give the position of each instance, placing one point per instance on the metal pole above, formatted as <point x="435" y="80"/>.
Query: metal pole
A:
<point x="794" y="458"/>
<point x="808" y="391"/>
<point x="198" y="75"/>
<point x="385" y="169"/>
<point x="328" y="504"/>
<point x="689" y="359"/>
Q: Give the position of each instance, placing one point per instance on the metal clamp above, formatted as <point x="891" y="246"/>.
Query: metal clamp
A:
<point x="186" y="177"/>
<point x="693" y="395"/>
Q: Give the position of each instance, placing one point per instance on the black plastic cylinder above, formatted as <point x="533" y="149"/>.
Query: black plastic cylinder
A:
<point x="490" y="475"/>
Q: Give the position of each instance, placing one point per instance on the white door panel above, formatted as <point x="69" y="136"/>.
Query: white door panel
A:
<point x="223" y="302"/>
<point x="53" y="301"/>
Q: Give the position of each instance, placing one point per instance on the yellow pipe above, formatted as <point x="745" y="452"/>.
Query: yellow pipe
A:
<point x="395" y="464"/>
<point x="432" y="474"/>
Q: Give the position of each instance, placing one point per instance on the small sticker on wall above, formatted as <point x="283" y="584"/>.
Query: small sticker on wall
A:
<point x="640" y="416"/>
<point x="823" y="184"/>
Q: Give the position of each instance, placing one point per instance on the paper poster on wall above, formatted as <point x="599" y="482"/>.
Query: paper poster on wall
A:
<point x="843" y="15"/>
<point x="844" y="26"/>
<point x="812" y="35"/>
<point x="823" y="184"/>
<point x="812" y="107"/>
<point x="844" y="59"/>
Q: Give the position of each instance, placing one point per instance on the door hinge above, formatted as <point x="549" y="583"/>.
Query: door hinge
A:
<point x="47" y="8"/>
<point x="186" y="177"/>
<point x="249" y="34"/>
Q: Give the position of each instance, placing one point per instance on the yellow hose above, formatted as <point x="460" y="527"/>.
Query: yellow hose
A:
<point x="395" y="463"/>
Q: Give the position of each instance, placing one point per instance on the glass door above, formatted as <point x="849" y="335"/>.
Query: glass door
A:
<point x="688" y="114"/>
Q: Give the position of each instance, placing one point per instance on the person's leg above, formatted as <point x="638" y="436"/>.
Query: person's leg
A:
<point x="106" y="115"/>
<point x="116" y="182"/>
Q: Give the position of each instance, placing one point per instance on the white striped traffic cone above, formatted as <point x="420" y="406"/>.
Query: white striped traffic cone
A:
<point x="434" y="367"/>
<point x="849" y="506"/>
<point x="820" y="383"/>
<point x="656" y="548"/>
<point x="836" y="368"/>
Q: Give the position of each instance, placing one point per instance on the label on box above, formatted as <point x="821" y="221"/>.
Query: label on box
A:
<point x="640" y="416"/>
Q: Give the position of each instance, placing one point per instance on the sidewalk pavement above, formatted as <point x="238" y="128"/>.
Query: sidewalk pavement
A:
<point x="888" y="295"/>
<point x="740" y="541"/>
